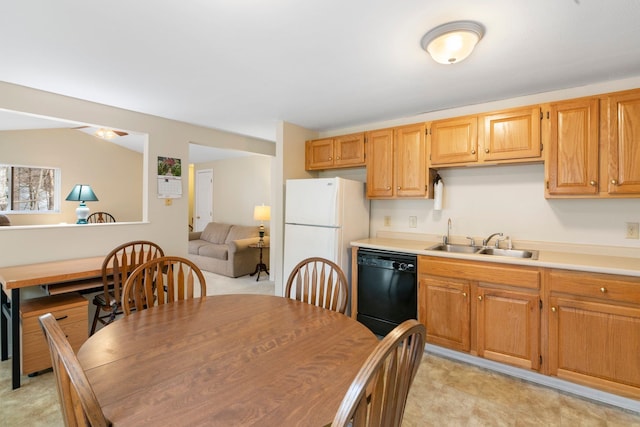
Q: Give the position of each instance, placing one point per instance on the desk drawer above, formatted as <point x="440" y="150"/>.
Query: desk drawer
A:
<point x="71" y="310"/>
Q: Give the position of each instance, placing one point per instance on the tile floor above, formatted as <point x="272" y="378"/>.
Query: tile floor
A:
<point x="444" y="393"/>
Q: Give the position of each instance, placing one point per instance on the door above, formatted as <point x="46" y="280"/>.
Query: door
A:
<point x="380" y="164"/>
<point x="624" y="155"/>
<point x="204" y="199"/>
<point x="454" y="141"/>
<point x="410" y="161"/>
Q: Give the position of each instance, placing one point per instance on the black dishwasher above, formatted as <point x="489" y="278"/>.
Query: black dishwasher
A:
<point x="387" y="289"/>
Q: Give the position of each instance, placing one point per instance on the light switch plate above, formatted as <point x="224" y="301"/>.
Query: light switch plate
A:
<point x="413" y="222"/>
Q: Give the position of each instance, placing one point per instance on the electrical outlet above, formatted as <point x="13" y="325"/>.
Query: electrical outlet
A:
<point x="387" y="221"/>
<point x="632" y="230"/>
<point x="413" y="222"/>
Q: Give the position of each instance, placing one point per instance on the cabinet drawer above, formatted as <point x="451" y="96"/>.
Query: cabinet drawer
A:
<point x="601" y="286"/>
<point x="71" y="312"/>
<point x="64" y="316"/>
<point x="525" y="277"/>
<point x="35" y="351"/>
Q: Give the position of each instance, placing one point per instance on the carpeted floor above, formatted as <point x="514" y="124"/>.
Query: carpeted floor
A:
<point x="444" y="393"/>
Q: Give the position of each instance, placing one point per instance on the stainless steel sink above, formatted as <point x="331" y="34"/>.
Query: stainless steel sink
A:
<point x="516" y="253"/>
<point x="464" y="249"/>
<point x="481" y="250"/>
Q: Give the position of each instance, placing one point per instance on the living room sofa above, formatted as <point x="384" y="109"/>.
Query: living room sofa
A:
<point x="224" y="249"/>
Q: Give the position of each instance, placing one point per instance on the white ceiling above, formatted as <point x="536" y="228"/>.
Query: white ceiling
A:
<point x="244" y="65"/>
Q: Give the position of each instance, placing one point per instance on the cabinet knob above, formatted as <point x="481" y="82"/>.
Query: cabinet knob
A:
<point x="592" y="183"/>
<point x="603" y="290"/>
<point x="553" y="309"/>
<point x="464" y="294"/>
<point x="330" y="158"/>
<point x="473" y="151"/>
<point x="398" y="188"/>
<point x="486" y="150"/>
<point x="614" y="181"/>
<point x="479" y="297"/>
<point x="338" y="158"/>
<point x="388" y="188"/>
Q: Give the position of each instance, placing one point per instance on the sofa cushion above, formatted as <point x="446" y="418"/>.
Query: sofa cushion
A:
<point x="238" y="232"/>
<point x="215" y="232"/>
<point x="195" y="245"/>
<point x="214" y="251"/>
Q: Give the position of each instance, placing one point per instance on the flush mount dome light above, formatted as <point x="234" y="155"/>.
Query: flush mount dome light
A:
<point x="452" y="42"/>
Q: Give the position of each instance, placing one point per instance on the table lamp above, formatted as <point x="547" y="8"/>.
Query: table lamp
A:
<point x="82" y="193"/>
<point x="262" y="213"/>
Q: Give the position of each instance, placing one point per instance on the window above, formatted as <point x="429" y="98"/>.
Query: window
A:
<point x="29" y="189"/>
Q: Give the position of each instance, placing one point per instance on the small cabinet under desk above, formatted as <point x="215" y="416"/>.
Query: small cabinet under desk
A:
<point x="71" y="312"/>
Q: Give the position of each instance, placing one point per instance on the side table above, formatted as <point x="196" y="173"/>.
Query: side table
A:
<point x="261" y="266"/>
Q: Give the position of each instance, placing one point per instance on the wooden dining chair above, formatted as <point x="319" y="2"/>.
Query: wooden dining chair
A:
<point x="378" y="395"/>
<point x="80" y="407"/>
<point x="100" y="217"/>
<point x="320" y="282"/>
<point x="116" y="267"/>
<point x="162" y="281"/>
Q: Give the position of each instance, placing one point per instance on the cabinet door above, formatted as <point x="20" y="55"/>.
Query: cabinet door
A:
<point x="624" y="143"/>
<point x="508" y="327"/>
<point x="595" y="344"/>
<point x="572" y="165"/>
<point x="454" y="141"/>
<point x="349" y="150"/>
<point x="444" y="310"/>
<point x="380" y="164"/>
<point x="410" y="161"/>
<point x="510" y="135"/>
<point x="319" y="154"/>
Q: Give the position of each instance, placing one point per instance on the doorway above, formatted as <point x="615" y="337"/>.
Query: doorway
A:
<point x="203" y="199"/>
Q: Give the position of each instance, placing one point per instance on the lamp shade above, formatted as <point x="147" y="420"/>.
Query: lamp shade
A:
<point x="82" y="193"/>
<point x="262" y="213"/>
<point x="452" y="42"/>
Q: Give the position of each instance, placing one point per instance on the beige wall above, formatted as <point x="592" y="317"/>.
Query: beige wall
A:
<point x="239" y="184"/>
<point x="114" y="172"/>
<point x="164" y="224"/>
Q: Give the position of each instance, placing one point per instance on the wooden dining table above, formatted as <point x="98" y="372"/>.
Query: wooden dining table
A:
<point x="226" y="360"/>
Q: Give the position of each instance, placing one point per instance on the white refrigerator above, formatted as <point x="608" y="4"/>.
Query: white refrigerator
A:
<point x="322" y="217"/>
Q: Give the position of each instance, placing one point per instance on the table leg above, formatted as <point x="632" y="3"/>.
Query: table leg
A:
<point x="4" y="320"/>
<point x="15" y="337"/>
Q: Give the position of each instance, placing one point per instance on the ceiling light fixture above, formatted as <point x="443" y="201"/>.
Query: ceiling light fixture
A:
<point x="452" y="42"/>
<point x="105" y="133"/>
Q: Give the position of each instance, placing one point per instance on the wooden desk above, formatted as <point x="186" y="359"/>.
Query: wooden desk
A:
<point x="79" y="271"/>
<point x="226" y="360"/>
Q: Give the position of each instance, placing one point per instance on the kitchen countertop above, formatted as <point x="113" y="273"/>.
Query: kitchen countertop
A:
<point x="563" y="256"/>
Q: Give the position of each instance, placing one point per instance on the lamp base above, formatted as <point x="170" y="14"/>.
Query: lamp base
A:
<point x="82" y="213"/>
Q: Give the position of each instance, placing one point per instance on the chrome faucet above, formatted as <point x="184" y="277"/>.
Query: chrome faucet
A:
<point x="485" y="242"/>
<point x="445" y="239"/>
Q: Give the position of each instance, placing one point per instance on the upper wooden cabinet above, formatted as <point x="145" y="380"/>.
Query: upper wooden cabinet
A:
<point x="572" y="162"/>
<point x="593" y="146"/>
<point x="624" y="143"/>
<point x="454" y="141"/>
<point x="396" y="163"/>
<point x="500" y="137"/>
<point x="338" y="152"/>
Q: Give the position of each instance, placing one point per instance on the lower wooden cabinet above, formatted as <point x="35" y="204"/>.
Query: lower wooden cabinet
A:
<point x="594" y="330"/>
<point x="444" y="306"/>
<point x="508" y="326"/>
<point x="491" y="310"/>
<point x="71" y="312"/>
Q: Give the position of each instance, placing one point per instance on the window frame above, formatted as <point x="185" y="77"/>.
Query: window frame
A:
<point x="57" y="189"/>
